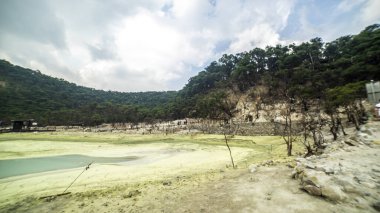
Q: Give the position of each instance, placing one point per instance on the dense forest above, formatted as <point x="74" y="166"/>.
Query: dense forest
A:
<point x="26" y="94"/>
<point x="305" y="71"/>
<point x="334" y="71"/>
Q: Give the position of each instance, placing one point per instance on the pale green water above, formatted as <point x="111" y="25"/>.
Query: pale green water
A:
<point x="15" y="167"/>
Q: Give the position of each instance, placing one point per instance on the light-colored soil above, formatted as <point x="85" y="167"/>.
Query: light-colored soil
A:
<point x="194" y="179"/>
<point x="158" y="161"/>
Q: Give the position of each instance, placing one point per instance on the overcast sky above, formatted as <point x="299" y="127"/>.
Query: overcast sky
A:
<point x="145" y="45"/>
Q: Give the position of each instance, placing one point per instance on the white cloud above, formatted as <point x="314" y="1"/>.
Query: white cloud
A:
<point x="332" y="19"/>
<point x="139" y="45"/>
<point x="258" y="36"/>
<point x="146" y="45"/>
<point x="370" y="13"/>
<point x="347" y="5"/>
<point x="149" y="45"/>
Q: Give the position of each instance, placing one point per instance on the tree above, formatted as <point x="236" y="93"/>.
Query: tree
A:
<point x="348" y="97"/>
<point x="312" y="123"/>
<point x="220" y="105"/>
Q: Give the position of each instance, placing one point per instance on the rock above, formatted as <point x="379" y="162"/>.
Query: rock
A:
<point x="369" y="185"/>
<point x="320" y="151"/>
<point x="376" y="206"/>
<point x="352" y="190"/>
<point x="299" y="169"/>
<point x="167" y="183"/>
<point x="308" y="165"/>
<point x="308" y="182"/>
<point x="363" y="128"/>
<point x="300" y="175"/>
<point x="350" y="143"/>
<point x="361" y="204"/>
<point x="357" y="179"/>
<point x="252" y="168"/>
<point x="324" y="155"/>
<point x="354" y="138"/>
<point x="132" y="194"/>
<point x="301" y="160"/>
<point x="325" y="168"/>
<point x="313" y="190"/>
<point x="291" y="164"/>
<point x="333" y="193"/>
<point x="254" y="179"/>
<point x="320" y="168"/>
<point x="367" y="131"/>
<point x="324" y="145"/>
<point x="330" y="171"/>
<point x="297" y="172"/>
<point x="344" y="182"/>
<point x="268" y="196"/>
<point x="268" y="162"/>
<point x="316" y="178"/>
<point x="293" y="174"/>
<point x="347" y="149"/>
<point x="311" y="158"/>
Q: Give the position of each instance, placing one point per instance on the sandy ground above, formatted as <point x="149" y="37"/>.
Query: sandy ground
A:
<point x="182" y="177"/>
<point x="159" y="162"/>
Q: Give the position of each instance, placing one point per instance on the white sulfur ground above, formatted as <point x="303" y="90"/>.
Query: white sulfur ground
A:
<point x="158" y="161"/>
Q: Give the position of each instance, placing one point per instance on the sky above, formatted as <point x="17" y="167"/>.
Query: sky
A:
<point x="157" y="45"/>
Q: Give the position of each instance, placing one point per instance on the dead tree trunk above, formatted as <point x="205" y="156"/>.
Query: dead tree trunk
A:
<point x="352" y="115"/>
<point x="306" y="129"/>
<point x="229" y="149"/>
<point x="339" y="123"/>
<point x="288" y="132"/>
<point x="333" y="127"/>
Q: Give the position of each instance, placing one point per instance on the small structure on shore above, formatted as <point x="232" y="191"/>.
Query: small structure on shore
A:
<point x="373" y="91"/>
<point x="22" y="125"/>
<point x="377" y="111"/>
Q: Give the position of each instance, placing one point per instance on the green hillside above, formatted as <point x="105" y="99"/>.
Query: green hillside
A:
<point x="25" y="93"/>
<point x="305" y="71"/>
<point x="313" y="70"/>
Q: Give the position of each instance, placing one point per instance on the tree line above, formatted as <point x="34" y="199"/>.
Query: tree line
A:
<point x="307" y="79"/>
<point x="331" y="72"/>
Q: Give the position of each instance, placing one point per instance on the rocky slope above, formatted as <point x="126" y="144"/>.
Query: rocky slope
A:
<point x="347" y="172"/>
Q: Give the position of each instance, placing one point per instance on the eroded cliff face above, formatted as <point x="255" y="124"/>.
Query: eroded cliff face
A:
<point x="256" y="106"/>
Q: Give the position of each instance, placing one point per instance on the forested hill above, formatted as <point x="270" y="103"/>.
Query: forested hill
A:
<point x="25" y="94"/>
<point x="332" y="72"/>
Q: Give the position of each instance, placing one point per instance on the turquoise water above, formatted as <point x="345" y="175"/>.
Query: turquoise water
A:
<point x="15" y="167"/>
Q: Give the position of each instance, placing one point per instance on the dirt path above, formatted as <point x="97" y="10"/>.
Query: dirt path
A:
<point x="270" y="189"/>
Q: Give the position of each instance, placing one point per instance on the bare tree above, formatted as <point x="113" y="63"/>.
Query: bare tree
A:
<point x="225" y="132"/>
<point x="289" y="134"/>
<point x="227" y="107"/>
<point x="312" y="123"/>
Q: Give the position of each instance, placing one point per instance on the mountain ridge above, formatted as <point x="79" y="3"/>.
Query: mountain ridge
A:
<point x="311" y="70"/>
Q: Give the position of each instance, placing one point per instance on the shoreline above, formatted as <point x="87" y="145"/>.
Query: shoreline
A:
<point x="162" y="161"/>
<point x="204" y="182"/>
